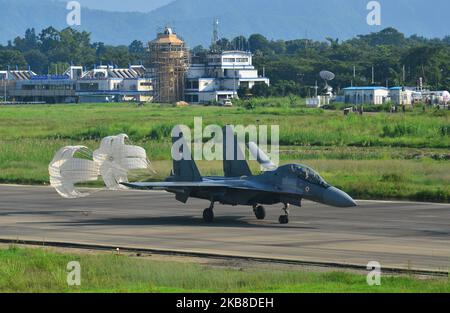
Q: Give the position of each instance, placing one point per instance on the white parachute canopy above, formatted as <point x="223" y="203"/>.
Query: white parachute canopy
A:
<point x="116" y="159"/>
<point x="66" y="171"/>
<point x="112" y="161"/>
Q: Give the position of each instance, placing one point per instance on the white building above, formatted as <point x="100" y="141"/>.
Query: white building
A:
<point x="402" y="95"/>
<point x="436" y="97"/>
<point x="108" y="84"/>
<point x="220" y="76"/>
<point x="102" y="84"/>
<point x="366" y="95"/>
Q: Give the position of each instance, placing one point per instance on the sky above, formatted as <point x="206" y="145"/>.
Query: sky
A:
<point x="123" y="5"/>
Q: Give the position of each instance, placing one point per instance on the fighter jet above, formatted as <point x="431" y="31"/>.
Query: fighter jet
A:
<point x="286" y="185"/>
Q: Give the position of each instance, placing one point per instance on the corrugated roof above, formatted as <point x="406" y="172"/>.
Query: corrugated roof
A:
<point x="22" y="75"/>
<point x="123" y="73"/>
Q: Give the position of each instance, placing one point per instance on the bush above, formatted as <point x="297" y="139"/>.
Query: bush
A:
<point x="445" y="130"/>
<point x="160" y="132"/>
<point x="399" y="130"/>
<point x="393" y="178"/>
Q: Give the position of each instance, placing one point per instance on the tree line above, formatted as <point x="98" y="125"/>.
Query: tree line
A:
<point x="383" y="58"/>
<point x="52" y="51"/>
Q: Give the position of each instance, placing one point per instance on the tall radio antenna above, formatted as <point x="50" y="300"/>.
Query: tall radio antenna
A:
<point x="215" y="38"/>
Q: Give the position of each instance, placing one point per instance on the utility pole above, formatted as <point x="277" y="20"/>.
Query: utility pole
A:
<point x="373" y="75"/>
<point x="404" y="75"/>
<point x="234" y="80"/>
<point x="354" y="75"/>
<point x="4" y="86"/>
<point x="4" y="80"/>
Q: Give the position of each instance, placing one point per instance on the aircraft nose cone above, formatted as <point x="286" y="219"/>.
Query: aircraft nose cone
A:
<point x="335" y="197"/>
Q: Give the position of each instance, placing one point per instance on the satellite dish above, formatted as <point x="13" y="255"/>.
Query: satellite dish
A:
<point x="327" y="76"/>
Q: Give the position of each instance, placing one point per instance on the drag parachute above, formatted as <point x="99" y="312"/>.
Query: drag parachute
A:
<point x="116" y="159"/>
<point x="66" y="170"/>
<point x="112" y="161"/>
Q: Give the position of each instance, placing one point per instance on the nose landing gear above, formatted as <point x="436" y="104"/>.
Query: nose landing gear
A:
<point x="284" y="219"/>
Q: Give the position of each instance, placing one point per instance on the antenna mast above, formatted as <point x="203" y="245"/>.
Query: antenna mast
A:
<point x="215" y="37"/>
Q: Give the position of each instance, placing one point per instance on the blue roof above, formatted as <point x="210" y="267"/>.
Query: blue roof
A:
<point x="49" y="77"/>
<point x="401" y="88"/>
<point x="366" y="88"/>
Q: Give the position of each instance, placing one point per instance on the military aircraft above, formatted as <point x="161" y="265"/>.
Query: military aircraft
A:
<point x="287" y="185"/>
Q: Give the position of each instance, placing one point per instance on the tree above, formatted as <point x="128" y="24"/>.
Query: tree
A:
<point x="244" y="92"/>
<point x="388" y="36"/>
<point x="239" y="43"/>
<point x="224" y="44"/>
<point x="261" y="90"/>
<point x="136" y="47"/>
<point x="12" y="58"/>
<point x="111" y="55"/>
<point x="29" y="42"/>
<point x="284" y="88"/>
<point x="49" y="38"/>
<point x="258" y="42"/>
<point x="37" y="61"/>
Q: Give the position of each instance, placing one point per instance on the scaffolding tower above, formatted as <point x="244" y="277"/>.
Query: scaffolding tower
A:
<point x="169" y="58"/>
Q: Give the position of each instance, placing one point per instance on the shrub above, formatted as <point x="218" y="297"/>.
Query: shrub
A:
<point x="399" y="130"/>
<point x="445" y="130"/>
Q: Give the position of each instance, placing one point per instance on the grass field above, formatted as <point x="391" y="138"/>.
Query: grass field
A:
<point x="41" y="270"/>
<point x="377" y="155"/>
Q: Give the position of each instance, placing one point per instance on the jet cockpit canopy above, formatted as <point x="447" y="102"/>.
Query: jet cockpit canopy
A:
<point x="309" y="175"/>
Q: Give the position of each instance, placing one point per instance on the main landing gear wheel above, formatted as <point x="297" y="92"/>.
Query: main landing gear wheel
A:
<point x="260" y="212"/>
<point x="208" y="214"/>
<point x="284" y="219"/>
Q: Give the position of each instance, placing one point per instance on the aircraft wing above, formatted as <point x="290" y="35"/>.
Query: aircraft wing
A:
<point x="209" y="184"/>
<point x="163" y="185"/>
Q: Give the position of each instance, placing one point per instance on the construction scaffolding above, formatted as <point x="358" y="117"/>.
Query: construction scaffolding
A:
<point x="169" y="58"/>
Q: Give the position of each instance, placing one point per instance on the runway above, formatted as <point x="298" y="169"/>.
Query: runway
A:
<point x="397" y="234"/>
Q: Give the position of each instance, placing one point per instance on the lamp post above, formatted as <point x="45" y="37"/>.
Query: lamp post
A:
<point x="4" y="88"/>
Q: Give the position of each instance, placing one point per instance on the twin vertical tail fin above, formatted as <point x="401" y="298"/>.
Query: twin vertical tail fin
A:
<point x="234" y="162"/>
<point x="184" y="167"/>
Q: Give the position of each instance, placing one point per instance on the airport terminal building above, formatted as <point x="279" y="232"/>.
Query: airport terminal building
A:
<point x="215" y="78"/>
<point x="101" y="84"/>
<point x="220" y="75"/>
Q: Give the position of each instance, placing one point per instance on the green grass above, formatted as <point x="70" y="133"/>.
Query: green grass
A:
<point x="377" y="155"/>
<point x="298" y="125"/>
<point x="41" y="270"/>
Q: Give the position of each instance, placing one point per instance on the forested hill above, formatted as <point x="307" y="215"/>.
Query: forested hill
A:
<point x="281" y="19"/>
